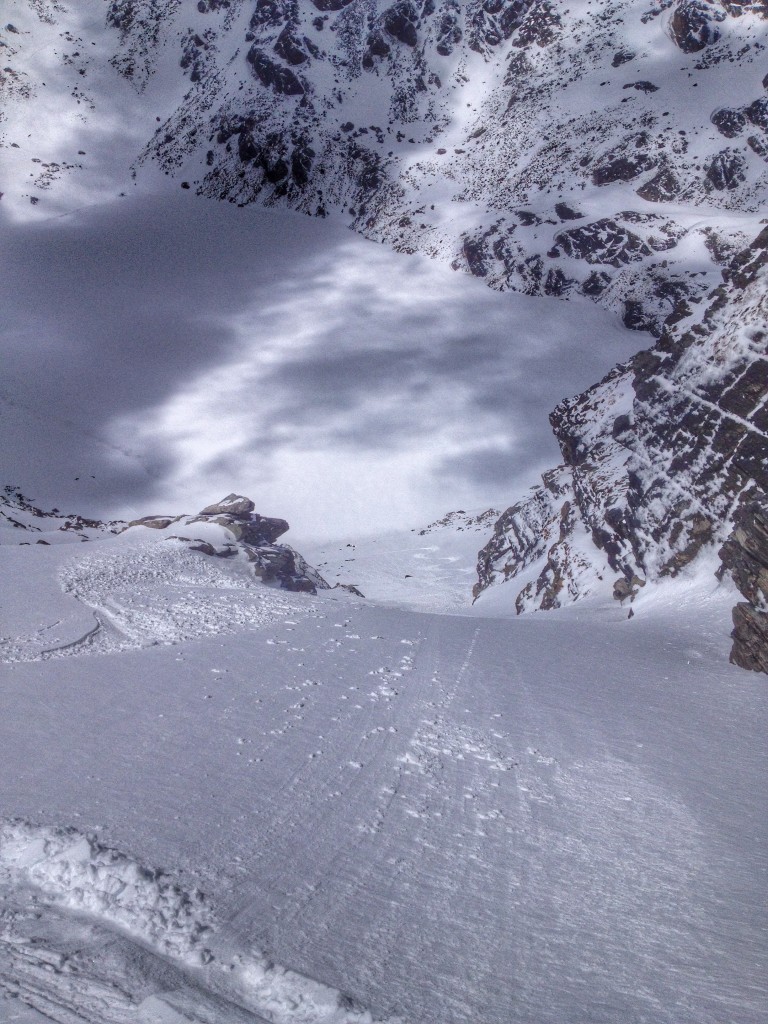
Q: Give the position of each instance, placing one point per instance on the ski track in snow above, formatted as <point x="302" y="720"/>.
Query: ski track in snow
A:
<point x="421" y="810"/>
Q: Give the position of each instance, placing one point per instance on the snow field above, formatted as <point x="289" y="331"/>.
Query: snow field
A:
<point x="440" y="818"/>
<point x="143" y="593"/>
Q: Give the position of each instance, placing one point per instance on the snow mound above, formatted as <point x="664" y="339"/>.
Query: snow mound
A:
<point x="76" y="871"/>
<point x="149" y="594"/>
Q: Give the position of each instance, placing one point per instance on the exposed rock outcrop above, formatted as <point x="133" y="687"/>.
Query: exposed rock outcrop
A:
<point x="745" y="556"/>
<point x="23" y="522"/>
<point x="666" y="457"/>
<point x="238" y="529"/>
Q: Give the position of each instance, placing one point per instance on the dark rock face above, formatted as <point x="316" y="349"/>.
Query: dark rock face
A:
<point x="745" y="556"/>
<point x="283" y="566"/>
<point x="622" y="57"/>
<point x="331" y="5"/>
<point x="603" y="241"/>
<point x="664" y="458"/>
<point x="626" y="162"/>
<point x="726" y="170"/>
<point x="693" y="25"/>
<point x="729" y="122"/>
<point x="662" y="187"/>
<point x="400" y="21"/>
<point x="276" y="77"/>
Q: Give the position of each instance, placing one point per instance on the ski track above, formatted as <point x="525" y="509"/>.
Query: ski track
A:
<point x="408" y="813"/>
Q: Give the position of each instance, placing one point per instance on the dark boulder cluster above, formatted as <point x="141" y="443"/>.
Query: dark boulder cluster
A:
<point x="246" y="533"/>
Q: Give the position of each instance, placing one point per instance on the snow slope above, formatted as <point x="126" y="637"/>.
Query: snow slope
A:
<point x="462" y="819"/>
<point x="432" y="569"/>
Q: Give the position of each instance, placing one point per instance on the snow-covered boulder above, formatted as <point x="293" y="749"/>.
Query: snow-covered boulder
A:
<point x="231" y="528"/>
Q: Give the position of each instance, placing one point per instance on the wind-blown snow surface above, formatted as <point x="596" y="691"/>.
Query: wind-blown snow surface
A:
<point x="440" y="818"/>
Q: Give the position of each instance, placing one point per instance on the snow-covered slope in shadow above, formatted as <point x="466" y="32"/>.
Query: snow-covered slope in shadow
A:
<point x="611" y="150"/>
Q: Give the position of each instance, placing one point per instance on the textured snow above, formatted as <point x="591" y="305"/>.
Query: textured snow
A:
<point x="345" y="812"/>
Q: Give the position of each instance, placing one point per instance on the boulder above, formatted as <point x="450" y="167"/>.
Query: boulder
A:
<point x="232" y="505"/>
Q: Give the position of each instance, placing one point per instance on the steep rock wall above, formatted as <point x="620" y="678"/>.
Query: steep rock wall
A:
<point x="667" y="456"/>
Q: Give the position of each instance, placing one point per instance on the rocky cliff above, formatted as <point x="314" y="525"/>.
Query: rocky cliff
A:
<point x="664" y="458"/>
<point x="616" y="149"/>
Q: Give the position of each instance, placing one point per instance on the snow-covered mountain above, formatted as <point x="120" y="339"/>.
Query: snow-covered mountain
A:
<point x="225" y="802"/>
<point x="614" y="149"/>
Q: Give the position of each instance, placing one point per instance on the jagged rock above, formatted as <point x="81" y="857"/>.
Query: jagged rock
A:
<point x="540" y="25"/>
<point x="282" y="565"/>
<point x="565" y="212"/>
<point x="491" y="22"/>
<point x="726" y="170"/>
<point x="658" y="456"/>
<point x="745" y="556"/>
<point x="278" y="78"/>
<point x="294" y="50"/>
<point x="729" y="122"/>
<point x="449" y="33"/>
<point x="153" y="522"/>
<point x="757" y="113"/>
<point x="603" y="241"/>
<point x="400" y="21"/>
<point x="622" y="56"/>
<point x="232" y="505"/>
<point x="750" y="638"/>
<point x="662" y="187"/>
<point x="331" y="5"/>
<point x="642" y="86"/>
<point x="625" y="162"/>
